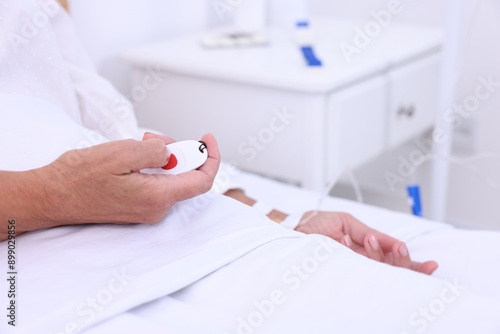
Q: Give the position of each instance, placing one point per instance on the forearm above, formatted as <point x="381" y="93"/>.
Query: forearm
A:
<point x="239" y="195"/>
<point x="21" y="201"/>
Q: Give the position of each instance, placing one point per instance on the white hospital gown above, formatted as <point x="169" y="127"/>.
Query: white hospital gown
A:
<point x="212" y="265"/>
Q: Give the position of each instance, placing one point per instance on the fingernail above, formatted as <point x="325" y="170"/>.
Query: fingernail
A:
<point x="373" y="243"/>
<point x="403" y="251"/>
<point x="347" y="240"/>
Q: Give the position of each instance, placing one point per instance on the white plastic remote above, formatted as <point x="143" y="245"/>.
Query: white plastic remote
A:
<point x="185" y="156"/>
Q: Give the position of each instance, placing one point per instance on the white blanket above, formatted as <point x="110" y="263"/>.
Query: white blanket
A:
<point x="82" y="274"/>
<point x="216" y="266"/>
<point x="310" y="285"/>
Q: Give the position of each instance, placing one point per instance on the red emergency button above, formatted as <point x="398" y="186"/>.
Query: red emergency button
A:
<point x="172" y="162"/>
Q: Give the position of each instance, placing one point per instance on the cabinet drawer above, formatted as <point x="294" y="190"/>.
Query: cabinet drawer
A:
<point x="356" y="124"/>
<point x="413" y="98"/>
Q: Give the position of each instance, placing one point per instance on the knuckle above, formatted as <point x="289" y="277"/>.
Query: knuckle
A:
<point x="158" y="145"/>
<point x="157" y="149"/>
<point x="125" y="147"/>
<point x="117" y="150"/>
<point x="346" y="217"/>
<point x="129" y="145"/>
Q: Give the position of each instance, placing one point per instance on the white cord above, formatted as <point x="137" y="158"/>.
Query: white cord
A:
<point x="452" y="159"/>
<point x="352" y="179"/>
<point x="355" y="185"/>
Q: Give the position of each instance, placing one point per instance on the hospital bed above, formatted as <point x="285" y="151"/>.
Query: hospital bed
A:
<point x="214" y="265"/>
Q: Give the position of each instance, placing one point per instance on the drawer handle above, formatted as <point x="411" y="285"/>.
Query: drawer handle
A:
<point x="407" y="110"/>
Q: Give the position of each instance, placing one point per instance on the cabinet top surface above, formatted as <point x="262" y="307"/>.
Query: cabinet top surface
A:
<point x="280" y="64"/>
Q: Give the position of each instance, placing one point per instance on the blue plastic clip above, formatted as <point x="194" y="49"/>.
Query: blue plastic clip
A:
<point x="414" y="199"/>
<point x="303" y="24"/>
<point x="310" y="56"/>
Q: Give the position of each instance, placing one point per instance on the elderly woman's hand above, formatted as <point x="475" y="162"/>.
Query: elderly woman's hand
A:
<point x="362" y="239"/>
<point x="102" y="184"/>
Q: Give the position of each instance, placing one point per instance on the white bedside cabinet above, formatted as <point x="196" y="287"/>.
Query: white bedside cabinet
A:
<point x="274" y="116"/>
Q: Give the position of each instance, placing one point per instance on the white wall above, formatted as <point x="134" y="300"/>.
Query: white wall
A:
<point x="421" y="12"/>
<point x="110" y="26"/>
<point x="472" y="200"/>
